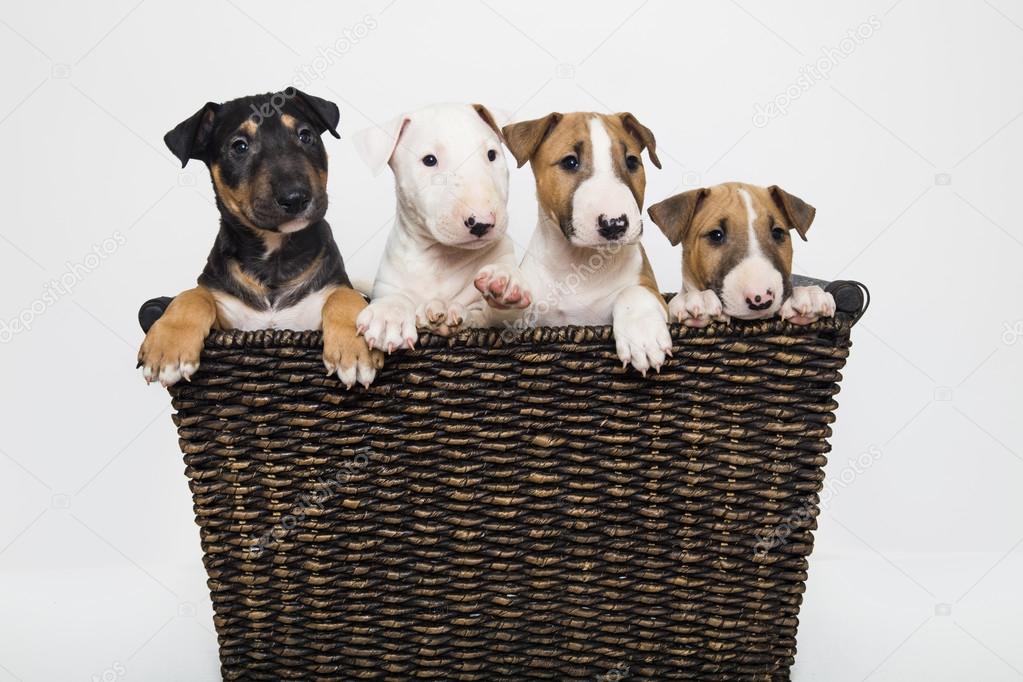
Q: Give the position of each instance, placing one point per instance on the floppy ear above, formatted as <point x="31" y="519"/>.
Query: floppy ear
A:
<point x="675" y="214"/>
<point x="643" y="134"/>
<point x="489" y="119"/>
<point x="325" y="113"/>
<point x="525" y="137"/>
<point x="376" y="145"/>
<point x="189" y="138"/>
<point x="799" y="213"/>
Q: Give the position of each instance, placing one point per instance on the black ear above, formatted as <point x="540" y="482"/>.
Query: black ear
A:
<point x="189" y="138"/>
<point x="325" y="113"/>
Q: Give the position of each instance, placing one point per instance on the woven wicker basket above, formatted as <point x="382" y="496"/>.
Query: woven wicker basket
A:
<point x="494" y="510"/>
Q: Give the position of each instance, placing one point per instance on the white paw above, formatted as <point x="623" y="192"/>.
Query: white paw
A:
<point x="387" y="326"/>
<point x="441" y="318"/>
<point x="362" y="372"/>
<point x="503" y="287"/>
<point x="643" y="342"/>
<point x="696" y="308"/>
<point x="170" y="373"/>
<point x="807" y="304"/>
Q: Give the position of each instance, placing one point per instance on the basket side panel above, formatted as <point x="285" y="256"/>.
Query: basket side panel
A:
<point x="529" y="511"/>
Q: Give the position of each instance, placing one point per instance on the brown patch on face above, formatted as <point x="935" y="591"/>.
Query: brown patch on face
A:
<point x="237" y="199"/>
<point x="546" y="142"/>
<point x="697" y="218"/>
<point x="249" y="127"/>
<point x="289" y="121"/>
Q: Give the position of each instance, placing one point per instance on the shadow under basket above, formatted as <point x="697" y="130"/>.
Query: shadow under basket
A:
<point x="503" y="509"/>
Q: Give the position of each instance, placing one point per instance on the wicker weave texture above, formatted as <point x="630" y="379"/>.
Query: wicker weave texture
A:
<point x="494" y="510"/>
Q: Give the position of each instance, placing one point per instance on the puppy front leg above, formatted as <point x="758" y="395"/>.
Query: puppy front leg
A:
<point x="344" y="351"/>
<point x="807" y="304"/>
<point x="503" y="286"/>
<point x="172" y="347"/>
<point x="696" y="308"/>
<point x="388" y="323"/>
<point x="640" y="322"/>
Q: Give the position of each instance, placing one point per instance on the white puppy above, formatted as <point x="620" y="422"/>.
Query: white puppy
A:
<point x="449" y="243"/>
<point x="585" y="263"/>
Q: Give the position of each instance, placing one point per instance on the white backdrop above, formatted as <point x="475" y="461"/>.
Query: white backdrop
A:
<point x="905" y="134"/>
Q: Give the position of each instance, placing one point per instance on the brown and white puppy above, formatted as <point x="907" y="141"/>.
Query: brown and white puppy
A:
<point x="584" y="264"/>
<point x="274" y="264"/>
<point x="737" y="254"/>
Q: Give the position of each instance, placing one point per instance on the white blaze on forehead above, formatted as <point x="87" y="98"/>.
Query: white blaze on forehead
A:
<point x="603" y="192"/>
<point x="754" y="243"/>
<point x="754" y="275"/>
<point x="601" y="144"/>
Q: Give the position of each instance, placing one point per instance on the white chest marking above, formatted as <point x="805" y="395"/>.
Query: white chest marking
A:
<point x="305" y="315"/>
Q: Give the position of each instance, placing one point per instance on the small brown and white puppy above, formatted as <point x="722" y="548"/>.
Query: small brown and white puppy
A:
<point x="274" y="264"/>
<point x="737" y="254"/>
<point x="585" y="264"/>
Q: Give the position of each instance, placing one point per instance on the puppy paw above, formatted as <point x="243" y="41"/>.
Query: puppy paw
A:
<point x="643" y="342"/>
<point x="807" y="304"/>
<point x="170" y="352"/>
<point x="503" y="287"/>
<point x="348" y="355"/>
<point x="441" y="318"/>
<point x="696" y="308"/>
<point x="387" y="326"/>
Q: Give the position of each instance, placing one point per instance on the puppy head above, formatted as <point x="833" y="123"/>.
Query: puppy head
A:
<point x="265" y="155"/>
<point x="589" y="172"/>
<point x="449" y="170"/>
<point x="736" y="241"/>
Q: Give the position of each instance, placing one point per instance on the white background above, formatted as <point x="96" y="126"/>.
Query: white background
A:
<point x="909" y="150"/>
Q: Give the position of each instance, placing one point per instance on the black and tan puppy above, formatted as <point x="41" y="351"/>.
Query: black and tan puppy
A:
<point x="274" y="264"/>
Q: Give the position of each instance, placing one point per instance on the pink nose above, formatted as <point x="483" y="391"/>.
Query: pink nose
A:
<point x="759" y="300"/>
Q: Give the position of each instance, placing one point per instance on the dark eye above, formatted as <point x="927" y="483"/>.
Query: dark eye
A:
<point x="429" y="160"/>
<point x="240" y="146"/>
<point x="778" y="233"/>
<point x="305" y="136"/>
<point x="632" y="162"/>
<point x="716" y="236"/>
<point x="492" y="155"/>
<point x="570" y="162"/>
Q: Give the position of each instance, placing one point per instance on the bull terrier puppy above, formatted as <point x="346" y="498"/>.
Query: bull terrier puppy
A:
<point x="585" y="264"/>
<point x="449" y="238"/>
<point x="737" y="255"/>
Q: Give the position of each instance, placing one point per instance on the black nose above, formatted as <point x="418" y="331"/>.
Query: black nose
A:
<point x="477" y="228"/>
<point x="293" y="201"/>
<point x="612" y="228"/>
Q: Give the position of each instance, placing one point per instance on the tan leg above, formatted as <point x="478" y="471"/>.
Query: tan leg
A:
<point x="172" y="347"/>
<point x="344" y="351"/>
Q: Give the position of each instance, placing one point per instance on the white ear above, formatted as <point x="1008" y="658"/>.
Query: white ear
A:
<point x="376" y="145"/>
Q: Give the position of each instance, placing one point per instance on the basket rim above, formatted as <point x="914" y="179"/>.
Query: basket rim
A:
<point x="496" y="337"/>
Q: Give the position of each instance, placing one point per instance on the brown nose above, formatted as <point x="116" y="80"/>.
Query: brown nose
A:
<point x="759" y="300"/>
